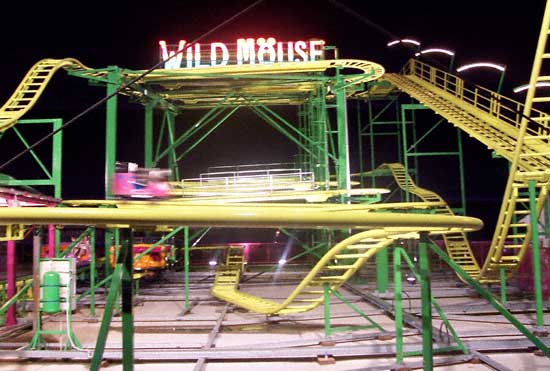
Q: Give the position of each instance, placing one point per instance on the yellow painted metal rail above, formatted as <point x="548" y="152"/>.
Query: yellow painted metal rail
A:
<point x="31" y="87"/>
<point x="499" y="123"/>
<point x="334" y="268"/>
<point x="457" y="243"/>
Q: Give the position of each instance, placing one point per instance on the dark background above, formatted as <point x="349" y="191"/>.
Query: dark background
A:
<point x="126" y="34"/>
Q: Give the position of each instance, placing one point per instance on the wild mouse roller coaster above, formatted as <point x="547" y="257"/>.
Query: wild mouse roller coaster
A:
<point x="514" y="131"/>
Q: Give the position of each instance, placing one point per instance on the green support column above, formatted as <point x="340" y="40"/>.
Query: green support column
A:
<point x="503" y="299"/>
<point x="92" y="272"/>
<point x="342" y="125"/>
<point x="326" y="296"/>
<point x="126" y="258"/>
<point x="489" y="297"/>
<point x="113" y="82"/>
<point x="425" y="289"/>
<point x="110" y="148"/>
<point x="382" y="271"/>
<point x="186" y="265"/>
<point x="109" y="235"/>
<point x="114" y="288"/>
<point x="398" y="306"/>
<point x="57" y="152"/>
<point x="170" y="118"/>
<point x="536" y="253"/>
<point x="148" y="136"/>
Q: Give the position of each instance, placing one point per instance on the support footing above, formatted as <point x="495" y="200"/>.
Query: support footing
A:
<point x="326" y="359"/>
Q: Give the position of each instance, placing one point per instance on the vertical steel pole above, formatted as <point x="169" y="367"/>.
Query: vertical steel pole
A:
<point x="110" y="150"/>
<point x="148" y="136"/>
<point x="382" y="271"/>
<point x="461" y="171"/>
<point x="398" y="305"/>
<point x="536" y="252"/>
<point x="503" y="286"/>
<point x="92" y="271"/>
<point x="425" y="289"/>
<point x="326" y="296"/>
<point x="111" y="129"/>
<point x="10" y="272"/>
<point x="186" y="265"/>
<point x="95" y="363"/>
<point x="36" y="244"/>
<point x="126" y="258"/>
<point x="403" y="119"/>
<point x="57" y="152"/>
<point x="342" y="125"/>
<point x="360" y="142"/>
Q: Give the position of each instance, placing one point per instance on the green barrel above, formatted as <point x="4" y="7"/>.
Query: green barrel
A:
<point x="50" y="287"/>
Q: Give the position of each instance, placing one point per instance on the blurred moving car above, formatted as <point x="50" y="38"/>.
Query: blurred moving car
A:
<point x="131" y="181"/>
<point x="154" y="260"/>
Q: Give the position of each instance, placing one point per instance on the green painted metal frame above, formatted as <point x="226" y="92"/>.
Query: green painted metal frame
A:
<point x="410" y="151"/>
<point x="327" y="292"/>
<point x="489" y="297"/>
<point x="52" y="175"/>
<point x="121" y="282"/>
<point x="422" y="276"/>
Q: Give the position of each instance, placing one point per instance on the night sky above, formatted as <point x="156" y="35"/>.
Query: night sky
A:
<point x="126" y="34"/>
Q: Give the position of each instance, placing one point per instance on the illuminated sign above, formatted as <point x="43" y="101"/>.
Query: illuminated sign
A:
<point x="245" y="51"/>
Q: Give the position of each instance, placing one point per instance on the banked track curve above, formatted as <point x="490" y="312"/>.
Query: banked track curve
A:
<point x="336" y="267"/>
<point x="31" y="88"/>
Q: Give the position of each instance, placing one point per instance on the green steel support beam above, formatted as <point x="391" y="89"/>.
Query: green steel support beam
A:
<point x="205" y="135"/>
<point x="398" y="306"/>
<point x="53" y="175"/>
<point x="127" y="301"/>
<point x="186" y="266"/>
<point x="57" y="152"/>
<point x="503" y="286"/>
<point x="161" y="241"/>
<point x="326" y="301"/>
<point x="440" y="312"/>
<point x="32" y="153"/>
<point x="426" y="294"/>
<point x="307" y="249"/>
<point x="281" y="129"/>
<point x="148" y="135"/>
<point x="204" y="120"/>
<point x="92" y="271"/>
<point x="113" y="78"/>
<point x="461" y="171"/>
<point x="343" y="174"/>
<point x="95" y="363"/>
<point x="382" y="271"/>
<point x="489" y="297"/>
<point x="170" y="118"/>
<point x="356" y="310"/>
<point x="536" y="252"/>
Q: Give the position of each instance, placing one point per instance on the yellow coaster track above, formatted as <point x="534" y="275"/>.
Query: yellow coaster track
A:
<point x="39" y="75"/>
<point x="457" y="244"/>
<point x="31" y="87"/>
<point x="333" y="269"/>
<point x="497" y="122"/>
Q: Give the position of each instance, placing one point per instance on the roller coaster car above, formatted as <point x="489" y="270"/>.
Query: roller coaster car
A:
<point x="130" y="181"/>
<point x="154" y="260"/>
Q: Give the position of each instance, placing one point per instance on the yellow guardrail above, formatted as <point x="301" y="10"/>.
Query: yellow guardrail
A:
<point x="497" y="105"/>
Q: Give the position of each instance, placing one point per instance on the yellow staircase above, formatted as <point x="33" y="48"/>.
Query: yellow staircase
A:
<point x="514" y="131"/>
<point x="333" y="269"/>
